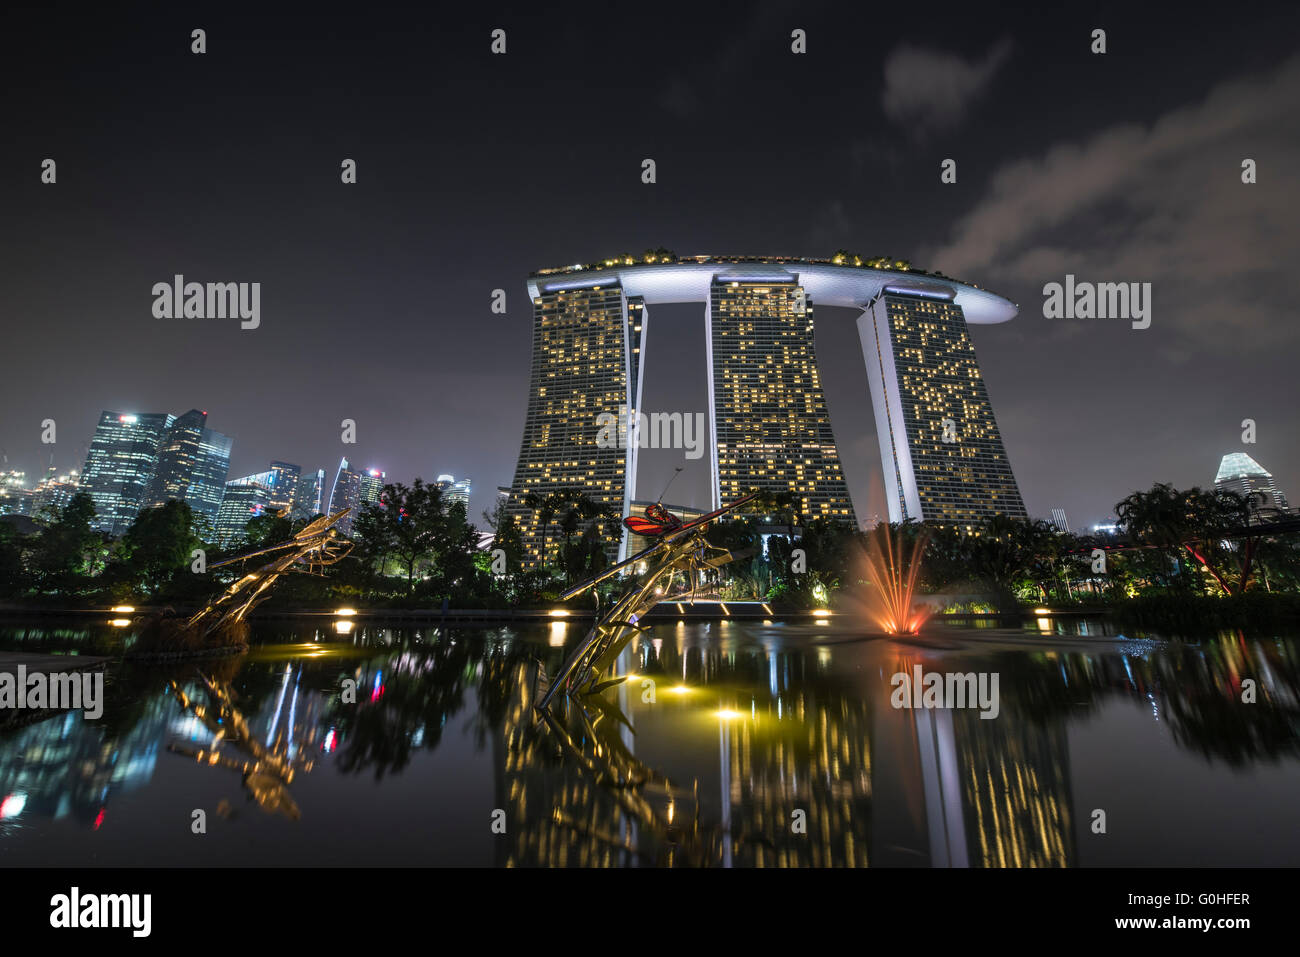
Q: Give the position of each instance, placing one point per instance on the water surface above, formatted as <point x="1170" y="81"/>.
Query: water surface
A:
<point x="734" y="744"/>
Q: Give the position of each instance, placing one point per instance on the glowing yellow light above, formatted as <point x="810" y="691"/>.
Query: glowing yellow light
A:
<point x="558" y="613"/>
<point x="346" y="611"/>
<point x="767" y="608"/>
<point x="726" y="714"/>
<point x="1042" y="611"/>
<point x="556" y="639"/>
<point x="821" y="613"/>
<point x="119" y="622"/>
<point x="125" y="608"/>
<point x="344" y="627"/>
<point x="679" y="689"/>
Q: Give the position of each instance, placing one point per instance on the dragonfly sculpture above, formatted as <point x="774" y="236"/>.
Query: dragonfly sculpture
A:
<point x="309" y="550"/>
<point x="678" y="547"/>
<point x="266" y="770"/>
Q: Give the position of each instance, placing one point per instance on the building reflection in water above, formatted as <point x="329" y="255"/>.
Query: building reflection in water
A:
<point x="752" y="729"/>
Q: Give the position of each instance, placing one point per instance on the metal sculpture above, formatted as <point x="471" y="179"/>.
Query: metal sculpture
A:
<point x="309" y="550"/>
<point x="678" y="547"/>
<point x="266" y="772"/>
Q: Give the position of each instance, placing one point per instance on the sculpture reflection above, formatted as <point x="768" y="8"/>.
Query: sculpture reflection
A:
<point x="266" y="772"/>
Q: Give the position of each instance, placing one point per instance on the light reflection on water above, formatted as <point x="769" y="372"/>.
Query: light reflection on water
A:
<point x="733" y="744"/>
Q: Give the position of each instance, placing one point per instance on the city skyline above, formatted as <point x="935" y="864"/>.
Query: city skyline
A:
<point x="1089" y="409"/>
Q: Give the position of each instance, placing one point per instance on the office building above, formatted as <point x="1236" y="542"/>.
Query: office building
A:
<point x="455" y="491"/>
<point x="284" y="489"/>
<point x="245" y="498"/>
<point x="120" y="466"/>
<point x="308" y="495"/>
<point x="192" y="464"/>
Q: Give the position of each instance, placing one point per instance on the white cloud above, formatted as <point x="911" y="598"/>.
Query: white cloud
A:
<point x="1163" y="204"/>
<point x="929" y="89"/>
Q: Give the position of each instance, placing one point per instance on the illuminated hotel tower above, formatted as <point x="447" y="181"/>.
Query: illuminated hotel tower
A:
<point x="772" y="431"/>
<point x="941" y="451"/>
<point x="940" y="447"/>
<point x="586" y="362"/>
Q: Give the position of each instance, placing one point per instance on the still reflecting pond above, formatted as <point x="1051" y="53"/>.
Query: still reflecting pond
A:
<point x="732" y="744"/>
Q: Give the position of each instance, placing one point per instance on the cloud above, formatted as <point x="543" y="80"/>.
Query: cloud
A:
<point x="929" y="90"/>
<point x="1164" y="204"/>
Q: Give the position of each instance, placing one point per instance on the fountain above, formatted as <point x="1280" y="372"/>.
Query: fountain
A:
<point x="892" y="577"/>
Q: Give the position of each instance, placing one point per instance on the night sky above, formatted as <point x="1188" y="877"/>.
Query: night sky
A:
<point x="475" y="169"/>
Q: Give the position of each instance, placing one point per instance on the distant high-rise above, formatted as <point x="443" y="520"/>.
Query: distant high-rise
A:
<point x="372" y="484"/>
<point x="453" y="490"/>
<point x="192" y="464"/>
<point x="54" y="493"/>
<point x="120" y="465"/>
<point x="345" y="493"/>
<point x="772" y="430"/>
<point x="285" y="490"/>
<point x="1239" y="473"/>
<point x="1060" y="521"/>
<point x="15" y="496"/>
<point x="307" y="499"/>
<point x="245" y="498"/>
<point x="943" y="456"/>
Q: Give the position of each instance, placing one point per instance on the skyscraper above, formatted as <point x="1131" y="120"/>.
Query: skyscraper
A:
<point x="245" y="498"/>
<point x="454" y="491"/>
<point x="54" y="493"/>
<point x="1239" y="473"/>
<point x="120" y="465"/>
<point x="372" y="485"/>
<point x="192" y="464"/>
<point x="772" y="431"/>
<point x="15" y="496"/>
<point x="284" y="491"/>
<point x="308" y="495"/>
<point x="583" y="342"/>
<point x="1060" y="521"/>
<point x="345" y="493"/>
<point x="943" y="456"/>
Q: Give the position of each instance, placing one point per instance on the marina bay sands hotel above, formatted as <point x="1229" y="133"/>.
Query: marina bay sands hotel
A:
<point x="940" y="447"/>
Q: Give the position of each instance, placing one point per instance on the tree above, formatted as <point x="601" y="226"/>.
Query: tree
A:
<point x="13" y="575"/>
<point x="65" y="548"/>
<point x="1196" y="522"/>
<point x="572" y="510"/>
<point x="506" y="536"/>
<point x="157" y="546"/>
<point x="269" y="528"/>
<point x="405" y="527"/>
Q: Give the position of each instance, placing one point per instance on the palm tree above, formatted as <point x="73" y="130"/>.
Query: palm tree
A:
<point x="1194" y="520"/>
<point x="570" y="509"/>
